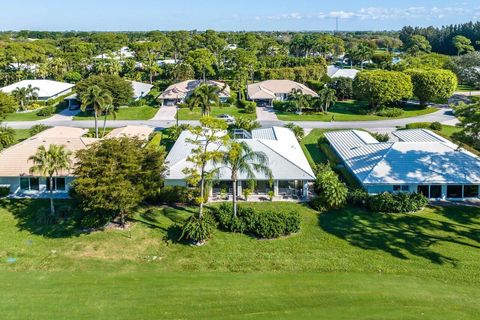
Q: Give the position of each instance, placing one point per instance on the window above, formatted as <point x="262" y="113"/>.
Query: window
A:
<point x="435" y="192"/>
<point x="454" y="191"/>
<point x="48" y="184"/>
<point x="424" y="190"/>
<point x="405" y="188"/>
<point x="34" y="184"/>
<point x="470" y="191"/>
<point x="25" y="183"/>
<point x="60" y="184"/>
<point x="397" y="188"/>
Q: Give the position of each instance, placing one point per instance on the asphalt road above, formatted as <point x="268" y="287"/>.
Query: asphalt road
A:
<point x="443" y="115"/>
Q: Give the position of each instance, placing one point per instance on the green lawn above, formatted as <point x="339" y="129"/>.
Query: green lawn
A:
<point x="130" y="113"/>
<point x="21" y="134"/>
<point x="24" y="116"/>
<point x="342" y="265"/>
<point x="348" y="111"/>
<point x="465" y="88"/>
<point x="186" y="114"/>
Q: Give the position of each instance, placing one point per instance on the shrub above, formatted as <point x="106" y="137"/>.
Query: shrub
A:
<point x="437" y="126"/>
<point x="155" y="140"/>
<point x="418" y="125"/>
<point x="332" y="193"/>
<point x="263" y="224"/>
<point x="250" y="107"/>
<point x="4" y="191"/>
<point x="178" y="194"/>
<point x="285" y="106"/>
<point x="46" y="111"/>
<point x="386" y="202"/>
<point x="198" y="230"/>
<point x="139" y="103"/>
<point x="381" y="137"/>
<point x="36" y="129"/>
<point x="390" y="112"/>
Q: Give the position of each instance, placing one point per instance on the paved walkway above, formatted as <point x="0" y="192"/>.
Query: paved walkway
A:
<point x="165" y="113"/>
<point x="266" y="114"/>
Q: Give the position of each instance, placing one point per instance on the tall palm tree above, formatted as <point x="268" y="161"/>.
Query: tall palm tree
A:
<point x="21" y="94"/>
<point x="328" y="96"/>
<point x="32" y="92"/>
<point x="299" y="99"/>
<point x="97" y="98"/>
<point x="108" y="109"/>
<point x="204" y="97"/>
<point x="49" y="162"/>
<point x="239" y="158"/>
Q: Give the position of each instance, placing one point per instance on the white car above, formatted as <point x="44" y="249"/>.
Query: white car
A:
<point x="228" y="118"/>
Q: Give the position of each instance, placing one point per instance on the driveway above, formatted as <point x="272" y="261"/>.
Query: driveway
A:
<point x="64" y="115"/>
<point x="165" y="113"/>
<point x="266" y="114"/>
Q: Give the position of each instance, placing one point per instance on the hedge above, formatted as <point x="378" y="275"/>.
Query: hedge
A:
<point x="267" y="224"/>
<point x="402" y="202"/>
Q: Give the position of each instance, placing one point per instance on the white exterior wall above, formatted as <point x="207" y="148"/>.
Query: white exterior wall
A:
<point x="14" y="183"/>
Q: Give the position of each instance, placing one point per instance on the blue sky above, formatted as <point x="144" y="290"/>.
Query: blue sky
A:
<point x="119" y="15"/>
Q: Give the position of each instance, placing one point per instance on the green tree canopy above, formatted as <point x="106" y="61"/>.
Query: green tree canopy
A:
<point x="114" y="175"/>
<point x="202" y="61"/>
<point x="121" y="90"/>
<point x="430" y="85"/>
<point x="462" y="44"/>
<point x="382" y="87"/>
<point x="418" y="44"/>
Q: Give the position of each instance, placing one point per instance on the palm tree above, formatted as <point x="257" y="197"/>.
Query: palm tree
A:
<point x="108" y="109"/>
<point x="204" y="97"/>
<point x="21" y="94"/>
<point x="328" y="96"/>
<point x="32" y="92"/>
<point x="239" y="158"/>
<point x="49" y="162"/>
<point x="97" y="98"/>
<point x="299" y="99"/>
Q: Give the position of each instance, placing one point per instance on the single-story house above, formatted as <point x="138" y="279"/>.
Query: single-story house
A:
<point x="177" y="93"/>
<point x="122" y="53"/>
<point x="15" y="164"/>
<point x="265" y="92"/>
<point x="420" y="161"/>
<point x="47" y="89"/>
<point x="291" y="172"/>
<point x="335" y="72"/>
<point x="140" y="89"/>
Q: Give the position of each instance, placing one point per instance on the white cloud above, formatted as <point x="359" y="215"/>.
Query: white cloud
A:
<point x="381" y="13"/>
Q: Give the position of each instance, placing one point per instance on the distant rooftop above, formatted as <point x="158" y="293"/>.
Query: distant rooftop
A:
<point x="46" y="88"/>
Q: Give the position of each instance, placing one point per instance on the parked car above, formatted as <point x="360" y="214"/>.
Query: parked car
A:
<point x="228" y="118"/>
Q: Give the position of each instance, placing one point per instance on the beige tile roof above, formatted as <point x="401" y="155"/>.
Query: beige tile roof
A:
<point x="141" y="132"/>
<point x="269" y="88"/>
<point x="182" y="89"/>
<point x="14" y="160"/>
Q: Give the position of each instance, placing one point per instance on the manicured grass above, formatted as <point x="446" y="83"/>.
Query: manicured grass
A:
<point x="465" y="88"/>
<point x="195" y="114"/>
<point x="347" y="264"/>
<point x="348" y="111"/>
<point x="21" y="134"/>
<point x="25" y="116"/>
<point x="130" y="113"/>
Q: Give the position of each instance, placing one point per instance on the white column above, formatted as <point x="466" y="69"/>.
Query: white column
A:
<point x="275" y="187"/>
<point x="305" y="189"/>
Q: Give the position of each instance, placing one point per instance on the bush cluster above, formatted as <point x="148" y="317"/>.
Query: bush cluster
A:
<point x="381" y="137"/>
<point x="386" y="202"/>
<point x="285" y="106"/>
<point x="390" y="112"/>
<point x="46" y="111"/>
<point x="249" y="106"/>
<point x="199" y="230"/>
<point x="267" y="224"/>
<point x="437" y="126"/>
<point x="178" y="194"/>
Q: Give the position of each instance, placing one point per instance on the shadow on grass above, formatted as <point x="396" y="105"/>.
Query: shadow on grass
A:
<point x="33" y="215"/>
<point x="403" y="235"/>
<point x="169" y="219"/>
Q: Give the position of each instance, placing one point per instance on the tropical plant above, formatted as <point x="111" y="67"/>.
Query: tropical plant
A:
<point x="203" y="97"/>
<point x="298" y="131"/>
<point x="108" y="109"/>
<point x="7" y="136"/>
<point x="208" y="140"/>
<point x="327" y="97"/>
<point x="50" y="162"/>
<point x="25" y="94"/>
<point x="96" y="98"/>
<point x="300" y="100"/>
<point x="241" y="160"/>
<point x="36" y="129"/>
<point x="331" y="192"/>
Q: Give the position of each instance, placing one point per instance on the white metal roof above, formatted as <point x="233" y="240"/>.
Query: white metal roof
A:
<point x="140" y="89"/>
<point x="335" y="72"/>
<point x="46" y="88"/>
<point x="420" y="156"/>
<point x="286" y="158"/>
